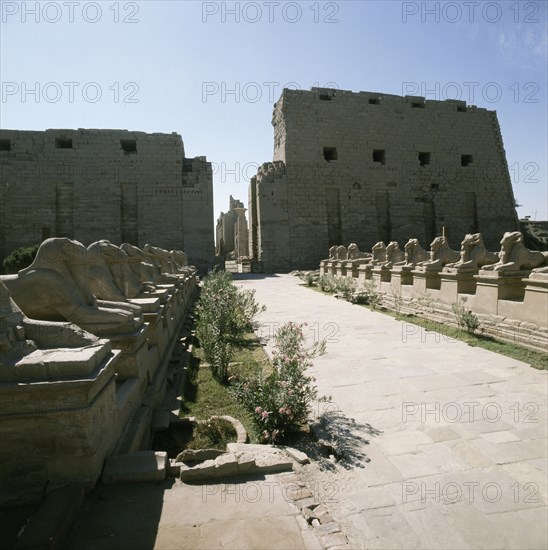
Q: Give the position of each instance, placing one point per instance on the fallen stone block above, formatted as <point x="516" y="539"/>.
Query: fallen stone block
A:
<point x="204" y="470"/>
<point x="272" y="463"/>
<point x="328" y="528"/>
<point x="135" y="467"/>
<point x="198" y="455"/>
<point x="308" y="514"/>
<point x="297" y="455"/>
<point x="246" y="462"/>
<point x="226" y="465"/>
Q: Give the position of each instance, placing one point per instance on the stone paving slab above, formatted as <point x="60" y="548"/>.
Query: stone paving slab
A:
<point x="251" y="513"/>
<point x="460" y="459"/>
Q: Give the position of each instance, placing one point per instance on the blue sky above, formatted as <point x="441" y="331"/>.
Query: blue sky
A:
<point x="211" y="70"/>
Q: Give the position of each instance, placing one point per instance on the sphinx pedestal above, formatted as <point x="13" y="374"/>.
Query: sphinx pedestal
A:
<point x="60" y="420"/>
<point x="364" y="273"/>
<point x="494" y="287"/>
<point x="456" y="282"/>
<point x="535" y="301"/>
<point x="401" y="277"/>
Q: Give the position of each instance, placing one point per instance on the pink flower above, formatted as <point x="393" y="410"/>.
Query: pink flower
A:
<point x="258" y="410"/>
<point x="264" y="415"/>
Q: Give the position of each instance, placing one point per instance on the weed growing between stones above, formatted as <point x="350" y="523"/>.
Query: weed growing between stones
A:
<point x="309" y="278"/>
<point x="465" y="318"/>
<point x="214" y="433"/>
<point x="327" y="283"/>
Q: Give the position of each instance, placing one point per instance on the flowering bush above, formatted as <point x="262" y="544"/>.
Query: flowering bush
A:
<point x="281" y="402"/>
<point x="225" y="314"/>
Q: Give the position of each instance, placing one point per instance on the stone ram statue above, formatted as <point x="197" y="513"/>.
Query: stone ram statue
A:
<point x="378" y="253"/>
<point x="473" y="254"/>
<point x="55" y="287"/>
<point x="514" y="256"/>
<point x="393" y="254"/>
<point x="441" y="254"/>
<point x="414" y="253"/>
<point x="342" y="253"/>
<point x="110" y="278"/>
<point x="21" y="336"/>
<point x="355" y="254"/>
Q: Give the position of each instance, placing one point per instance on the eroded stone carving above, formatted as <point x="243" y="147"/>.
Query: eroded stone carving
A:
<point x="140" y="263"/>
<point x="473" y="254"/>
<point x="179" y="261"/>
<point x="378" y="253"/>
<point x="514" y="256"/>
<point x="441" y="254"/>
<point x="354" y="253"/>
<point x="110" y="275"/>
<point x="21" y="337"/>
<point x="342" y="253"/>
<point x="393" y="254"/>
<point x="55" y="287"/>
<point x="159" y="258"/>
<point x="414" y="253"/>
<point x="333" y="253"/>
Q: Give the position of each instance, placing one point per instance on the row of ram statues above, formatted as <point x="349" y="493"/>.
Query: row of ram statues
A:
<point x="87" y="340"/>
<point x="91" y="286"/>
<point x="473" y="255"/>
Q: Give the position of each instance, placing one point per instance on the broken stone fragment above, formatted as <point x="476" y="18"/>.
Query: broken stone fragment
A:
<point x="198" y="455"/>
<point x="297" y="455"/>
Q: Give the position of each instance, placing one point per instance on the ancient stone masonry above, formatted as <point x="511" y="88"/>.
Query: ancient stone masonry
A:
<point x="231" y="232"/>
<point x="92" y="184"/>
<point x="88" y="357"/>
<point x="508" y="289"/>
<point x="366" y="167"/>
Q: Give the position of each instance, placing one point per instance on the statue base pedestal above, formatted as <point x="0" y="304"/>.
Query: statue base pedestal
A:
<point x="340" y="268"/>
<point x="535" y="301"/>
<point x="493" y="286"/>
<point x="364" y="273"/>
<point x="60" y="421"/>
<point x="457" y="282"/>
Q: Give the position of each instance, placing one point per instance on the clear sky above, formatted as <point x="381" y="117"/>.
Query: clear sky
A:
<point x="212" y="70"/>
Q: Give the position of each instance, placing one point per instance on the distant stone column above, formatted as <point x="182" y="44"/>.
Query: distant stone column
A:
<point x="241" y="233"/>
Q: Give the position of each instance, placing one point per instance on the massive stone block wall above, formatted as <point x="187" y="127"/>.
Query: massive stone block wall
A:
<point x="363" y="167"/>
<point x="115" y="184"/>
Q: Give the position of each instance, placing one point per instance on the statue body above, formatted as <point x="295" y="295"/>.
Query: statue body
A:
<point x="473" y="255"/>
<point x="514" y="256"/>
<point x="56" y="287"/>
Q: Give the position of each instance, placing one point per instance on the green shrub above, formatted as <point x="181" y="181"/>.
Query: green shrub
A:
<point x="20" y="258"/>
<point x="309" y="278"/>
<point x="281" y="402"/>
<point x="368" y="295"/>
<point x="345" y="286"/>
<point x="225" y="315"/>
<point x="214" y="433"/>
<point x="464" y="317"/>
<point x="327" y="283"/>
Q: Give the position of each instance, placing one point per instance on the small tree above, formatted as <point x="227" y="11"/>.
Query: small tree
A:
<point x="20" y="258"/>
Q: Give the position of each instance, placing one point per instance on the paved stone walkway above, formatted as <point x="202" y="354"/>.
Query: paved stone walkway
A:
<point x="247" y="514"/>
<point x="456" y="451"/>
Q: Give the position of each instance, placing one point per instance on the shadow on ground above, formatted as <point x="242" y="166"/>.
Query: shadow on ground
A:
<point x="119" y="516"/>
<point x="337" y="441"/>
